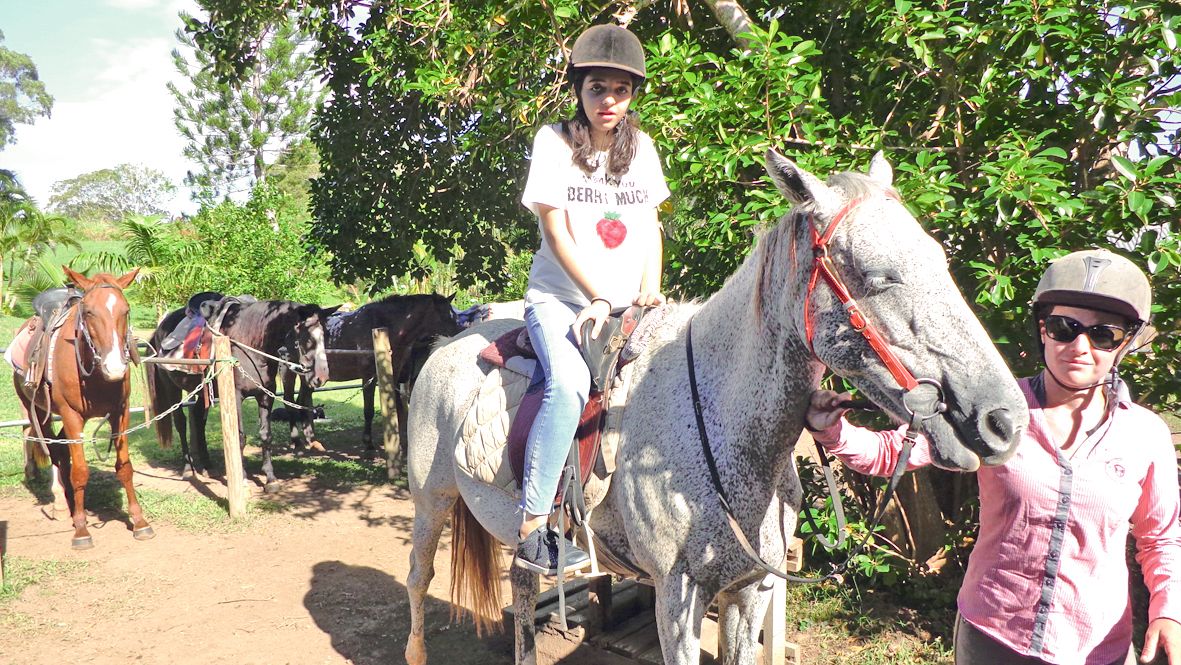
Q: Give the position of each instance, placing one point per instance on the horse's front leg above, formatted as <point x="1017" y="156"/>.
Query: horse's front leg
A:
<point x="306" y="417"/>
<point x="368" y="388"/>
<point x="264" y="435"/>
<point x="140" y="529"/>
<point x="740" y="618"/>
<point x="680" y="605"/>
<point x="78" y="478"/>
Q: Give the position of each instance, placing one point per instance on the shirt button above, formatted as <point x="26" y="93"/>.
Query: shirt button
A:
<point x="1066" y="472"/>
<point x="1052" y="555"/>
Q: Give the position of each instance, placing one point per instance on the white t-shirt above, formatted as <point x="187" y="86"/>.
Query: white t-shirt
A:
<point x="612" y="225"/>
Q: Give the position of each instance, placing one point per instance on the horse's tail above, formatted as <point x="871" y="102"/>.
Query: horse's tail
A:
<point x="160" y="403"/>
<point x="475" y="571"/>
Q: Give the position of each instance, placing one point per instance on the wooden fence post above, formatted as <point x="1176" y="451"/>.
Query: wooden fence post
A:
<point x="387" y="383"/>
<point x="3" y="548"/>
<point x="230" y="437"/>
<point x="148" y="414"/>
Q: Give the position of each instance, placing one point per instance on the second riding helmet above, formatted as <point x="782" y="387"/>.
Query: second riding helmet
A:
<point x="1096" y="279"/>
<point x="1102" y="280"/>
<point x="608" y="46"/>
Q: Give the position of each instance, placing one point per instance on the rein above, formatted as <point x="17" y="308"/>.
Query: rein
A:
<point x="824" y="267"/>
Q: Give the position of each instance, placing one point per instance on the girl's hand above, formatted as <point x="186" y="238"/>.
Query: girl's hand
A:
<point x="824" y="410"/>
<point x="597" y="311"/>
<point x="648" y="299"/>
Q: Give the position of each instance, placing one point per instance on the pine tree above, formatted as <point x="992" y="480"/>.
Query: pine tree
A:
<point x="233" y="128"/>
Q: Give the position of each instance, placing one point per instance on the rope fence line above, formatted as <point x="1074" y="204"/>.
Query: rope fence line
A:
<point x="210" y="376"/>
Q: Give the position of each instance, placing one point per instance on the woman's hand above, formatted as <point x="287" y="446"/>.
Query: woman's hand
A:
<point x="597" y="311"/>
<point x="825" y="410"/>
<point x="1164" y="633"/>
<point x="648" y="299"/>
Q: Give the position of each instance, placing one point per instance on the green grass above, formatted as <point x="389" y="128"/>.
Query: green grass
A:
<point x="839" y="626"/>
<point x="21" y="573"/>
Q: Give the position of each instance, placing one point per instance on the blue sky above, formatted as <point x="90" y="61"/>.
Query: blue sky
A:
<point x="106" y="63"/>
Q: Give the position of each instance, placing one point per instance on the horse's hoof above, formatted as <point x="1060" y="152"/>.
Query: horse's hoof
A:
<point x="145" y="533"/>
<point x="415" y="651"/>
<point x="273" y="486"/>
<point x="83" y="543"/>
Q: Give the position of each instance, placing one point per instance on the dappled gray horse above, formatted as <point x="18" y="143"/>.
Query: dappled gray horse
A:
<point x="760" y="346"/>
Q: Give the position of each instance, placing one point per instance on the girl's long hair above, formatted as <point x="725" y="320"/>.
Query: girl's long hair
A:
<point x="577" y="133"/>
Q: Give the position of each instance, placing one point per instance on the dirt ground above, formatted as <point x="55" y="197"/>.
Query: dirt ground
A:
<point x="322" y="582"/>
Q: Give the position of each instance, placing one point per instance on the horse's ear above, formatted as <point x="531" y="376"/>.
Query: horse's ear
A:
<point x="126" y="280"/>
<point x="78" y="279"/>
<point x="880" y="170"/>
<point x="799" y="186"/>
<point x="326" y="312"/>
<point x="451" y="298"/>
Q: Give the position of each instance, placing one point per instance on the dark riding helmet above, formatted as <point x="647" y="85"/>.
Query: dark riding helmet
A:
<point x="608" y="46"/>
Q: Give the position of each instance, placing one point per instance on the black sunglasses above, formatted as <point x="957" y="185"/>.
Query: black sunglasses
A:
<point x="1103" y="336"/>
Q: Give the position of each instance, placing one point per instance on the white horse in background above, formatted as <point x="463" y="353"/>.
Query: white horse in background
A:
<point x="761" y="345"/>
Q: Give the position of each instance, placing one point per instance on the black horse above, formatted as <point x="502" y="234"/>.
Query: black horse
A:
<point x="413" y="323"/>
<point x="259" y="332"/>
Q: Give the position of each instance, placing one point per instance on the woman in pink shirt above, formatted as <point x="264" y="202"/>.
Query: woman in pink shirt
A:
<point x="1047" y="581"/>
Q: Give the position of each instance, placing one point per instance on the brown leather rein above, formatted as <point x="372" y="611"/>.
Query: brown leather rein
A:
<point x="823" y="266"/>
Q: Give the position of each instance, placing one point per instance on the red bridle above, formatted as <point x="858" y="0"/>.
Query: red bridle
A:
<point x="823" y="267"/>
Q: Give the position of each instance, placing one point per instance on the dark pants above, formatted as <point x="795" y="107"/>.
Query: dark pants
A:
<point x="973" y="647"/>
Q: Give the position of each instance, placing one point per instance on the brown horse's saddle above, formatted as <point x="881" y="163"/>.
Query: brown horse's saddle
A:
<point x="497" y="427"/>
<point x="40" y="329"/>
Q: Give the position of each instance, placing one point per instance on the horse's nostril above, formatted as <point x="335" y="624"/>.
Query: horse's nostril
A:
<point x="999" y="423"/>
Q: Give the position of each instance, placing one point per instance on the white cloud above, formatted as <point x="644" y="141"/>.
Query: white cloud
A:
<point x="126" y="118"/>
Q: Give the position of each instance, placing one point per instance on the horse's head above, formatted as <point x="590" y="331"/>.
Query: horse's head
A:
<point x="441" y="319"/>
<point x="309" y="344"/>
<point x="898" y="287"/>
<point x="101" y="321"/>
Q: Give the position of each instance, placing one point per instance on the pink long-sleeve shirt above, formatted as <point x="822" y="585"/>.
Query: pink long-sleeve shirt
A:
<point x="1048" y="575"/>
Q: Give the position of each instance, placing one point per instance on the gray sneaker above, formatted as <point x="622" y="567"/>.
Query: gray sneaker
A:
<point x="538" y="552"/>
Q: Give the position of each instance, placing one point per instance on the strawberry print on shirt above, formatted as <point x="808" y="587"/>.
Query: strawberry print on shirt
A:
<point x="611" y="230"/>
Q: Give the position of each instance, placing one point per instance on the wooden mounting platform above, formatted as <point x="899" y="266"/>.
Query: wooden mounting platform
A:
<point x="618" y="621"/>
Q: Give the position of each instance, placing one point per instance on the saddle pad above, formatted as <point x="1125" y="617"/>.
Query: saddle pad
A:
<point x="482" y="451"/>
<point x="17" y="353"/>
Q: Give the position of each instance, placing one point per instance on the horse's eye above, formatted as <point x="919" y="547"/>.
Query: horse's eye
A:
<point x="877" y="281"/>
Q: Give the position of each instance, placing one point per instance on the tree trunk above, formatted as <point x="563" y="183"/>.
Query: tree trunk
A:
<point x="733" y="18"/>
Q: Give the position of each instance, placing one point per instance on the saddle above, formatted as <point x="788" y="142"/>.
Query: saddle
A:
<point x="52" y="307"/>
<point x="192" y="338"/>
<point x="604" y="358"/>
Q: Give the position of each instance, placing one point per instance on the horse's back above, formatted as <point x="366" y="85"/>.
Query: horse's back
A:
<point x="442" y="395"/>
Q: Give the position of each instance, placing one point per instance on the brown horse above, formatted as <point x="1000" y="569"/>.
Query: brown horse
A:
<point x="87" y="375"/>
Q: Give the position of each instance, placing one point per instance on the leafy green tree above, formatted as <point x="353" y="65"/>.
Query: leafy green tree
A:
<point x="110" y="195"/>
<point x="169" y="255"/>
<point x="235" y="131"/>
<point x="26" y="234"/>
<point x="294" y="170"/>
<point x="258" y="248"/>
<point x="22" y="94"/>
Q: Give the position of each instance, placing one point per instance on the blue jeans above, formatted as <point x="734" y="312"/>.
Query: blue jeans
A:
<point x="567" y="388"/>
